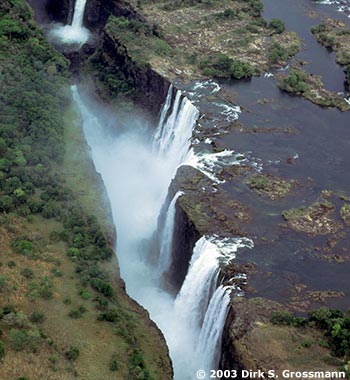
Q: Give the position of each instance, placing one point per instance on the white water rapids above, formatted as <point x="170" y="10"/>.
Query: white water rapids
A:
<point x="137" y="167"/>
<point x="75" y="33"/>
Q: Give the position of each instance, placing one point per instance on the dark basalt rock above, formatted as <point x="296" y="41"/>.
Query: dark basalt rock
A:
<point x="53" y="10"/>
<point x="98" y="11"/>
<point x="151" y="88"/>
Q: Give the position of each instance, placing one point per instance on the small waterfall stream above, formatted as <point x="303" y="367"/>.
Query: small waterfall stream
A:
<point x="75" y="33"/>
<point x="166" y="236"/>
<point x="137" y="166"/>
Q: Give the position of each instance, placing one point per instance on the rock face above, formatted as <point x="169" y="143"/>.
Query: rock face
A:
<point x="252" y="342"/>
<point x="98" y="11"/>
<point x="52" y="10"/>
<point x="112" y="57"/>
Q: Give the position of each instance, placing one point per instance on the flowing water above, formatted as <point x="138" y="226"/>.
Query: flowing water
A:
<point x="75" y="33"/>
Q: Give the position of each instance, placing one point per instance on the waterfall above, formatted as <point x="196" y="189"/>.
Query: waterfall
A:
<point x="166" y="236"/>
<point x="78" y="14"/>
<point x="137" y="171"/>
<point x="74" y="33"/>
<point x="172" y="138"/>
<point x="209" y="343"/>
<point x="193" y="298"/>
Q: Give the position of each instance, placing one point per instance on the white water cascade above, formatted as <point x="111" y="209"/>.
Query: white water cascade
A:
<point x="172" y="138"/>
<point x="193" y="298"/>
<point x="74" y="33"/>
<point x="137" y="170"/>
<point x="166" y="236"/>
<point x="209" y="343"/>
<point x="200" y="306"/>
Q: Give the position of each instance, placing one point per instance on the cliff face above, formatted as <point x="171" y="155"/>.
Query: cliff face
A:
<point x="252" y="342"/>
<point x="111" y="61"/>
<point x="98" y="11"/>
<point x="52" y="10"/>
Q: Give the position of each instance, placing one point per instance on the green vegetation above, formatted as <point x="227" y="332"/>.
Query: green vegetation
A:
<point x="278" y="53"/>
<point x="347" y="75"/>
<point x="2" y="349"/>
<point x="271" y="186"/>
<point x="18" y="339"/>
<point x="221" y="66"/>
<point x="277" y="25"/>
<point x="136" y="42"/>
<point x="324" y="36"/>
<point x="37" y="317"/>
<point x="335" y="325"/>
<point x="345" y="212"/>
<point x="295" y="81"/>
<point x="72" y="353"/>
<point x="254" y="7"/>
<point x="56" y="246"/>
<point x="311" y="87"/>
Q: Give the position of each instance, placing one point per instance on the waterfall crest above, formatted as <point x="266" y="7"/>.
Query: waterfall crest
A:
<point x="200" y="304"/>
<point x="166" y="236"/>
<point x="172" y="138"/>
<point x="193" y="298"/>
<point x="209" y="343"/>
<point x="75" y="33"/>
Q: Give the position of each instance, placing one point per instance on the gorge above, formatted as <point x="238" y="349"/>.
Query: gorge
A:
<point x="224" y="212"/>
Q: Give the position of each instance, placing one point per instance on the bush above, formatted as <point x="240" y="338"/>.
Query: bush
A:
<point x="255" y="7"/>
<point x="18" y="339"/>
<point x="347" y="75"/>
<point x="295" y="82"/>
<point x="221" y="66"/>
<point x="72" y="353"/>
<point x="113" y="366"/>
<point x="110" y="315"/>
<point x="27" y="273"/>
<point x="282" y="318"/>
<point x="37" y="317"/>
<point x="102" y="286"/>
<point x="23" y="246"/>
<point x="2" y="349"/>
<point x="277" y="25"/>
<point x="11" y="264"/>
<point x="3" y="282"/>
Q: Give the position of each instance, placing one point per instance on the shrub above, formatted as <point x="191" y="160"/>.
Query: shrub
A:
<point x="220" y="65"/>
<point x="23" y="246"/>
<point x="53" y="359"/>
<point x="295" y="82"/>
<point x="18" y="339"/>
<point x="102" y="286"/>
<point x="84" y="294"/>
<point x="27" y="273"/>
<point x="3" y="282"/>
<point x="72" y="353"/>
<point x="37" y="317"/>
<point x="2" y="349"/>
<point x="75" y="314"/>
<point x="11" y="264"/>
<point x="347" y="74"/>
<point x="277" y="25"/>
<point x="109" y="315"/>
<point x="282" y="318"/>
<point x="113" y="366"/>
<point x="255" y="7"/>
<point x="46" y="288"/>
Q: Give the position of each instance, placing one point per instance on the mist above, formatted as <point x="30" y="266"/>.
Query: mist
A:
<point x="137" y="179"/>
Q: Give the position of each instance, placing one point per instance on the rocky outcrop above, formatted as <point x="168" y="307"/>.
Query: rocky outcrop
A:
<point x="98" y="11"/>
<point x="52" y="10"/>
<point x="251" y="342"/>
<point x="111" y="62"/>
